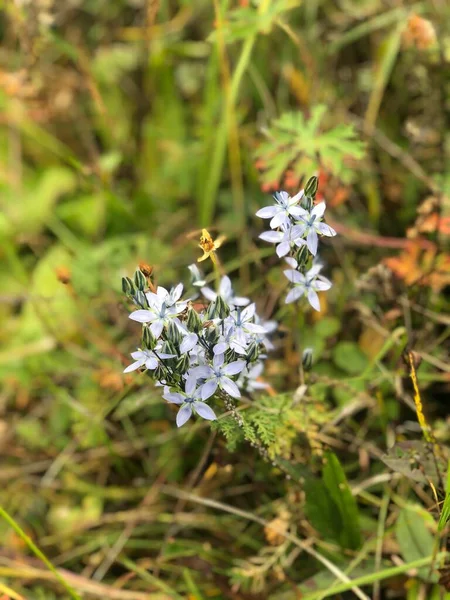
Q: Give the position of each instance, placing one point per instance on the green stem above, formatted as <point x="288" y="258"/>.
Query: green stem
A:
<point x="12" y="523"/>
<point x="374" y="577"/>
<point x="218" y="157"/>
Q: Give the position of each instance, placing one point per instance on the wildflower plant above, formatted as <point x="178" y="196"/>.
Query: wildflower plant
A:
<point x="206" y="347"/>
<point x="296" y="227"/>
<point x="203" y="352"/>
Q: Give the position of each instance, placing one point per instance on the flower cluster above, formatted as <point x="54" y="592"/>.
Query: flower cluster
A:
<point x="296" y="225"/>
<point x="199" y="351"/>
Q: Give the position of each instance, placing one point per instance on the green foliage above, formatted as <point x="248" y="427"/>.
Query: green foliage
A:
<point x="246" y="21"/>
<point x="124" y="131"/>
<point x="301" y="144"/>
<point x="331" y="506"/>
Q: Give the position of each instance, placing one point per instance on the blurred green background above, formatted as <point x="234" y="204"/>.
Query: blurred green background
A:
<point x="125" y="127"/>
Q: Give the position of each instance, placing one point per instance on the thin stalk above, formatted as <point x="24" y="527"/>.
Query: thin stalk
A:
<point x="20" y="532"/>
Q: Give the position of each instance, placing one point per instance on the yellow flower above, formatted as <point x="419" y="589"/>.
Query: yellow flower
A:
<point x="209" y="246"/>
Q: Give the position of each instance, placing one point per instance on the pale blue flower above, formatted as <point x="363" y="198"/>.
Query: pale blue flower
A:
<point x="226" y="293"/>
<point x="147" y="358"/>
<point x="248" y="379"/>
<point x="285" y="208"/>
<point x="285" y="239"/>
<point x="190" y="401"/>
<point x="242" y="324"/>
<point x="311" y="225"/>
<point x="163" y="307"/>
<point x="307" y="284"/>
<point x="197" y="278"/>
<point x="217" y="376"/>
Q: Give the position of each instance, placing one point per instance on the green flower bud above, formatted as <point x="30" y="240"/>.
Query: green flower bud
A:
<point x="148" y="339"/>
<point x="211" y="334"/>
<point x="127" y="286"/>
<point x="193" y="321"/>
<point x="141" y="299"/>
<point x="211" y="312"/>
<point x="252" y="352"/>
<point x="311" y="187"/>
<point x="140" y="281"/>
<point x="174" y="334"/>
<point x="307" y="358"/>
<point x="183" y="364"/>
<point x="222" y="308"/>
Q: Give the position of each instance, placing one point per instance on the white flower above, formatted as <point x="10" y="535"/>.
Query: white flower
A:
<point x="310" y="225"/>
<point x="248" y="379"/>
<point x="163" y="307"/>
<point x="147" y="358"/>
<point x="308" y="284"/>
<point x="242" y="325"/>
<point x="226" y="293"/>
<point x="197" y="278"/>
<point x="285" y="239"/>
<point x="217" y="376"/>
<point x="190" y="402"/>
<point x="284" y="208"/>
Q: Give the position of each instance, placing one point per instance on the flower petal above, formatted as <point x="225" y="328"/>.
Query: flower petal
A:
<point x="174" y="398"/>
<point x="189" y="341"/>
<point x="208" y="293"/>
<point x="279" y="219"/>
<point x="321" y="285"/>
<point x="204" y="411"/>
<point x="325" y="229"/>
<point x="184" y="414"/>
<point x="273" y="237"/>
<point x="230" y="387"/>
<point x="313" y="299"/>
<point x="291" y="262"/>
<point x="267" y="212"/>
<point x="312" y="241"/>
<point x="234" y="367"/>
<point x="134" y="366"/>
<point x="208" y="389"/>
<point x="283" y="249"/>
<point x="151" y="363"/>
<point x="318" y="210"/>
<point x="294" y="294"/>
<point x="294" y="276"/>
<point x="156" y="328"/>
<point x="142" y="316"/>
<point x="248" y="312"/>
<point x="220" y="348"/>
<point x="240" y="301"/>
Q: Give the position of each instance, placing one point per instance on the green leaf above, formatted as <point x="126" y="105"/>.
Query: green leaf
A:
<point x="339" y="490"/>
<point x="350" y="358"/>
<point x="301" y="144"/>
<point x="445" y="513"/>
<point x="414" y="537"/>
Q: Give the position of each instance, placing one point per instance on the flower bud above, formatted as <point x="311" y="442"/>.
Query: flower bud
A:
<point x="193" y="321"/>
<point x="311" y="187"/>
<point x="183" y="364"/>
<point x="169" y="348"/>
<point x="141" y="299"/>
<point x="139" y="280"/>
<point x="211" y="312"/>
<point x="222" y="308"/>
<point x="211" y="334"/>
<point x="173" y="334"/>
<point x="127" y="286"/>
<point x="148" y="339"/>
<point x="159" y="373"/>
<point x="252" y="352"/>
<point x="307" y="358"/>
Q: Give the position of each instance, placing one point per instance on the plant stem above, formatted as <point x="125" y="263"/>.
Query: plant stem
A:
<point x="12" y="523"/>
